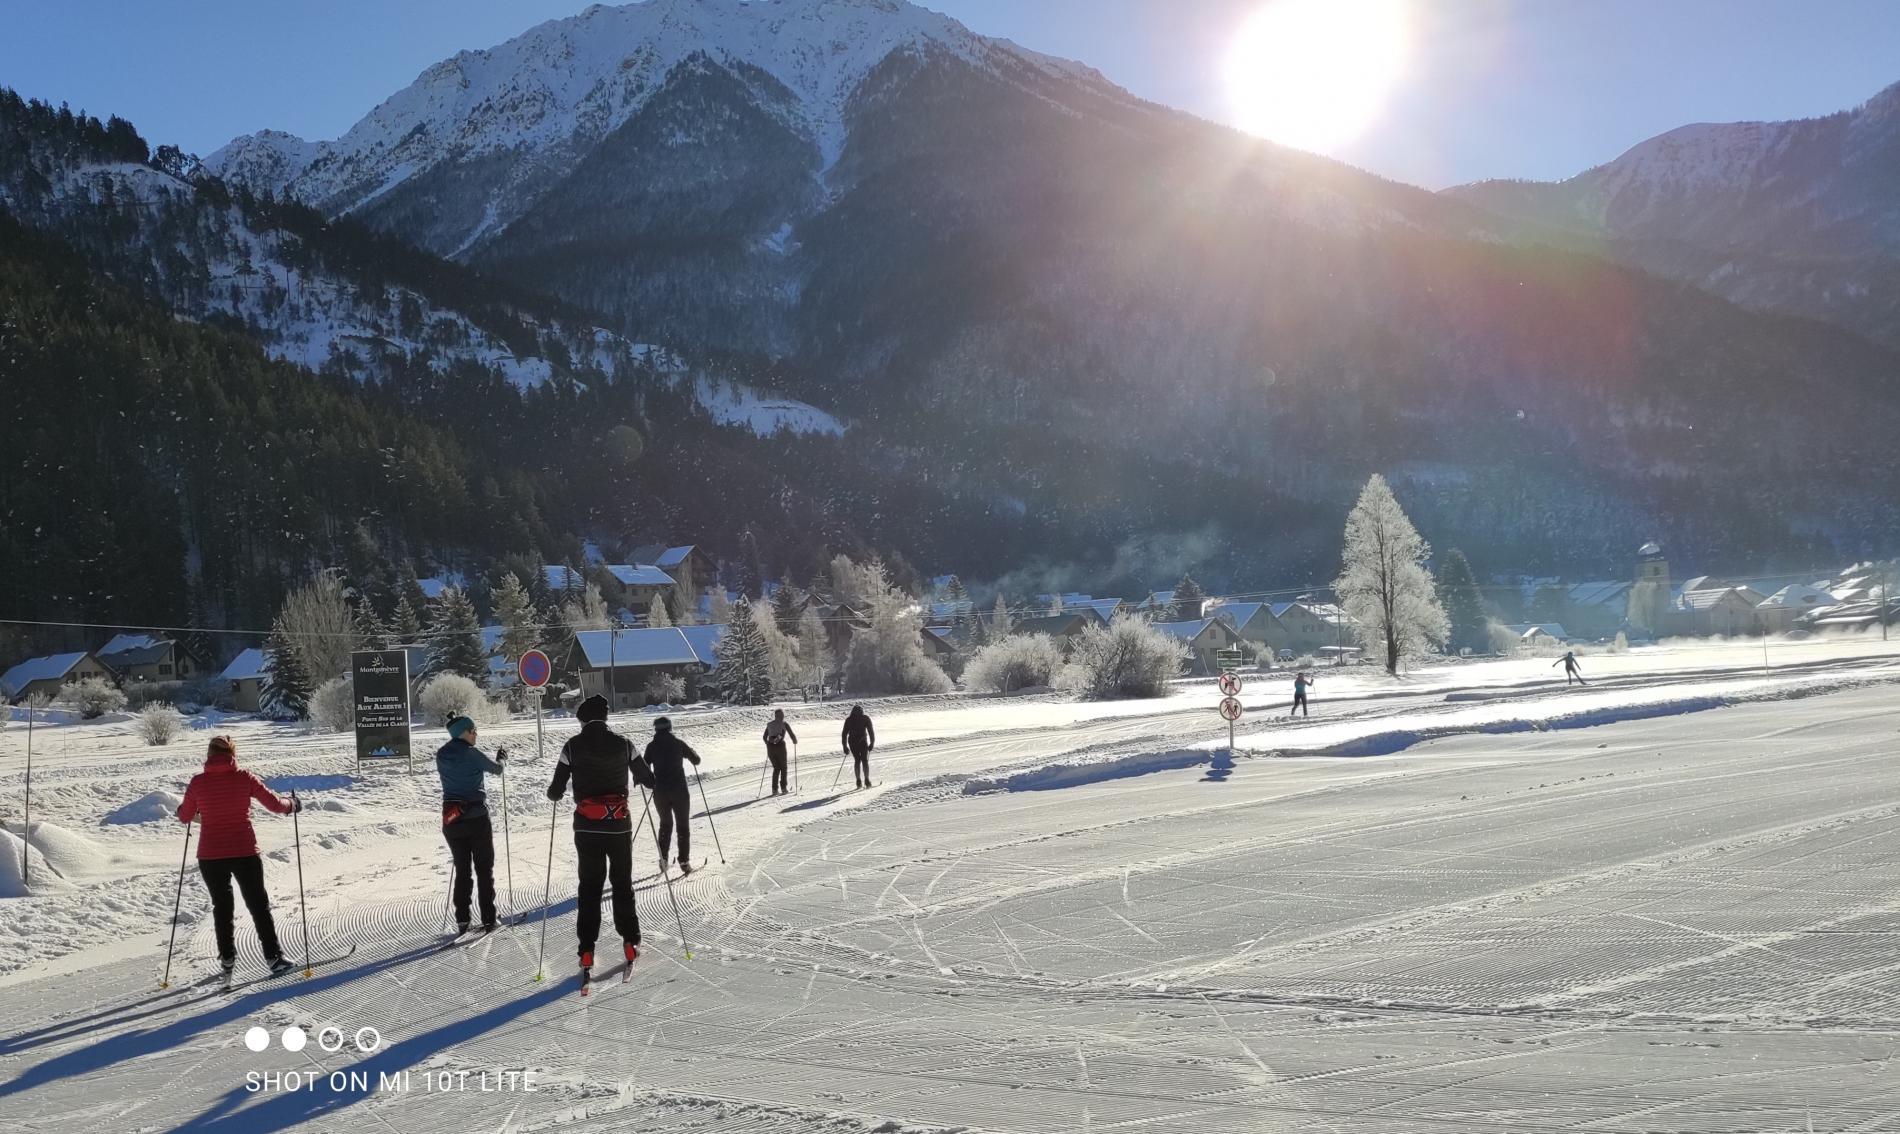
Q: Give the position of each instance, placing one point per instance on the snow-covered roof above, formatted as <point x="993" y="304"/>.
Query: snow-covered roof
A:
<point x="557" y="576"/>
<point x="121" y="643"/>
<point x="1051" y="624"/>
<point x="126" y="650"/>
<point x="705" y="642"/>
<point x="248" y="666"/>
<point x="1599" y="594"/>
<point x="1707" y="597"/>
<point x="644" y="646"/>
<point x="1528" y="630"/>
<point x="943" y="632"/>
<point x="639" y="575"/>
<point x="1186" y="631"/>
<point x="432" y="588"/>
<point x="1799" y="596"/>
<point x="1157" y="599"/>
<point x="673" y="556"/>
<point x="1650" y="550"/>
<point x="52" y="667"/>
<point x="1237" y="614"/>
<point x="1105" y="608"/>
<point x="946" y="611"/>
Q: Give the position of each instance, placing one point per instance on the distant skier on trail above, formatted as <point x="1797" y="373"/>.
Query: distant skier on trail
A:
<point x="600" y="761"/>
<point x="666" y="757"/>
<point x="220" y="796"/>
<point x="777" y="731"/>
<point x="1302" y="681"/>
<point x="859" y="739"/>
<point x="1571" y="672"/>
<point x="466" y="825"/>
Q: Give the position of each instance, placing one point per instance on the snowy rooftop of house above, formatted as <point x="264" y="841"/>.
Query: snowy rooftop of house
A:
<point x="640" y="575"/>
<point x="121" y="643"/>
<point x="1598" y="594"/>
<point x="705" y="642"/>
<point x="247" y="666"/>
<point x="1532" y="629"/>
<point x="1650" y="550"/>
<point x="1238" y="614"/>
<point x="645" y="646"/>
<point x="943" y="632"/>
<point x="52" y="667"/>
<point x="949" y="610"/>
<point x="1048" y="624"/>
<point x="1800" y="596"/>
<point x="1158" y="598"/>
<point x="1706" y="597"/>
<point x="432" y="588"/>
<point x="1104" y="608"/>
<point x="1185" y="631"/>
<point x="673" y="556"/>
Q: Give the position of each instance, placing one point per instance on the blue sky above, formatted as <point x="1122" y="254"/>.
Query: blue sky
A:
<point x="1495" y="88"/>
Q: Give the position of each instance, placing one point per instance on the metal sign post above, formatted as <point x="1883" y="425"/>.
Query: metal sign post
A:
<point x="535" y="669"/>
<point x="1230" y="708"/>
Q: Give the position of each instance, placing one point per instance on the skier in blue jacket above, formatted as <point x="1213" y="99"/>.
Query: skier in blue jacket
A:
<point x="465" y="822"/>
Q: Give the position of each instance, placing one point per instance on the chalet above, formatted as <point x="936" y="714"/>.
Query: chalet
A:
<point x="939" y="643"/>
<point x="1704" y="607"/>
<point x="1252" y="621"/>
<point x="1305" y="626"/>
<point x="139" y="658"/>
<point x="1156" y="605"/>
<point x="640" y="583"/>
<point x="46" y="676"/>
<point x="1597" y="610"/>
<point x="245" y="675"/>
<point x="1778" y="612"/>
<point x="1537" y="637"/>
<point x="688" y="563"/>
<point x="616" y="663"/>
<point x="1204" y="638"/>
<point x="1064" y="628"/>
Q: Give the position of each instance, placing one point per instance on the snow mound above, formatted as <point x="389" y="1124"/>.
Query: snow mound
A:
<point x="67" y="853"/>
<point x="45" y="880"/>
<point x="1076" y="774"/>
<point x="151" y="807"/>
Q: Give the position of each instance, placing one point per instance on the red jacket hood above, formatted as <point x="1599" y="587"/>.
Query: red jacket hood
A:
<point x="220" y="762"/>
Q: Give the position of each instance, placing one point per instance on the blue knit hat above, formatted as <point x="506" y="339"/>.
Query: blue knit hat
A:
<point x="458" y="726"/>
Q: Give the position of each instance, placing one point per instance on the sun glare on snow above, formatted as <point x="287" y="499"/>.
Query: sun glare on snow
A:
<point x="1314" y="74"/>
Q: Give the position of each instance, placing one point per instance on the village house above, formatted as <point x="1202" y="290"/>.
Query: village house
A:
<point x="1777" y="613"/>
<point x="688" y="563"/>
<point x="1204" y="638"/>
<point x="1306" y="627"/>
<point x="616" y="664"/>
<point x="1252" y="621"/>
<point x="46" y="676"/>
<point x="1064" y="628"/>
<point x="1596" y="610"/>
<point x="1538" y="637"/>
<point x="245" y="675"/>
<point x="142" y="658"/>
<point x="1704" y="606"/>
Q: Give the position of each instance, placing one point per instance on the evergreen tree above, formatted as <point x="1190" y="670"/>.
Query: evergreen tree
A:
<point x="286" y="692"/>
<point x="656" y="612"/>
<point x="1000" y="621"/>
<point x="1464" y="608"/>
<point x="814" y="648"/>
<point x="785" y="607"/>
<point x="514" y="610"/>
<point x="719" y="609"/>
<point x="751" y="566"/>
<point x="409" y="589"/>
<point x="371" y="634"/>
<point x="745" y="665"/>
<point x="407" y="623"/>
<point x="953" y="591"/>
<point x="1189" y="600"/>
<point x="1383" y="584"/>
<point x="457" y="644"/>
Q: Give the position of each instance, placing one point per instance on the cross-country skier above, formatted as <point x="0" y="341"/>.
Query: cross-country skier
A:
<point x="465" y="822"/>
<point x="220" y="796"/>
<point x="666" y="756"/>
<point x="599" y="761"/>
<point x="1302" y="681"/>
<point x="777" y="731"/>
<point x="859" y="739"/>
<point x="1571" y="672"/>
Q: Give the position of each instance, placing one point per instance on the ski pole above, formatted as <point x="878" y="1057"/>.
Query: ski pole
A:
<point x="547" y="888"/>
<point x="797" y="784"/>
<point x="840" y="772"/>
<point x="700" y="780"/>
<point x="26" y="831"/>
<point x="177" y="898"/>
<point x="507" y="847"/>
<point x="667" y="877"/>
<point x="760" y="794"/>
<point x="303" y="911"/>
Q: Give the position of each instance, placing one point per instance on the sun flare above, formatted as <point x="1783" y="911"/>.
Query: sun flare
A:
<point x="1314" y="74"/>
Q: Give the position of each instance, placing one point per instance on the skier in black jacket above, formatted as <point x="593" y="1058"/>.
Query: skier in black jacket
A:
<point x="599" y="761"/>
<point x="859" y="739"/>
<point x="666" y="757"/>
<point x="777" y="731"/>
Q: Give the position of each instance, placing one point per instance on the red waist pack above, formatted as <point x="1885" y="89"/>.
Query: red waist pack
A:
<point x="601" y="807"/>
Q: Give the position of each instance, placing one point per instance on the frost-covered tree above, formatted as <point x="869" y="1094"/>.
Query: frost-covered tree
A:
<point x="286" y="686"/>
<point x="1000" y="621"/>
<point x="371" y="634"/>
<point x="1190" y="600"/>
<point x="1383" y="584"/>
<point x="887" y="655"/>
<point x="814" y="649"/>
<point x="656" y="612"/>
<point x="785" y="607"/>
<point x="407" y="623"/>
<point x="781" y="650"/>
<point x="953" y="591"/>
<point x="1016" y="662"/>
<point x="1464" y="608"/>
<point x="457" y="644"/>
<point x="719" y="607"/>
<point x="745" y="664"/>
<point x="1129" y="657"/>
<point x="319" y="623"/>
<point x="514" y="610"/>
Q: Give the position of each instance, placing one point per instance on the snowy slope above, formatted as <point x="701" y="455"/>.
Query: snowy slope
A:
<point x="542" y="99"/>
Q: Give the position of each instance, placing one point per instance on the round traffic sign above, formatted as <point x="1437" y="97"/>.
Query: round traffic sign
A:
<point x="535" y="669"/>
<point x="1230" y="683"/>
<point x="1230" y="708"/>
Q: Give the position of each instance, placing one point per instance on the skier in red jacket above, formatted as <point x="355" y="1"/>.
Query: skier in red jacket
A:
<point x="221" y="797"/>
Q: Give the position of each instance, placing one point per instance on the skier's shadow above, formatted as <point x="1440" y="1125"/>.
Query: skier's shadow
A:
<point x="1219" y="768"/>
<point x="741" y="805"/>
<point x="814" y="803"/>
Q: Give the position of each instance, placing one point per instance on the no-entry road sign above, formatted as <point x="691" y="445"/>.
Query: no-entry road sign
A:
<point x="535" y="669"/>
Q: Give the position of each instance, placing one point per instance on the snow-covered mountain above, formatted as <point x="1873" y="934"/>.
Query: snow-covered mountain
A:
<point x="1797" y="216"/>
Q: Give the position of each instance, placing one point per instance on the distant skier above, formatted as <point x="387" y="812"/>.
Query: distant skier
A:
<point x="1571" y="672"/>
<point x="466" y="825"/>
<point x="600" y="761"/>
<point x="1302" y="681"/>
<point x="777" y="731"/>
<point x="221" y="797"/>
<point x="860" y="738"/>
<point x="667" y="756"/>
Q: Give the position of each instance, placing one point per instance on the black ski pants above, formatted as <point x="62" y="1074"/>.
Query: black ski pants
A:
<point x="249" y="874"/>
<point x="861" y="765"/>
<point x="776" y="754"/>
<point x="472" y="843"/>
<point x="1299" y="706"/>
<point x="605" y="857"/>
<point x="674" y="804"/>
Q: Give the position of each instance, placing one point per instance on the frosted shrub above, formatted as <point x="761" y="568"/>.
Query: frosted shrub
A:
<point x="1128" y="658"/>
<point x="92" y="697"/>
<point x="333" y="705"/>
<point x="449" y="695"/>
<point x="1016" y="662"/>
<point x="665" y="689"/>
<point x="1504" y="640"/>
<point x="206" y="691"/>
<point x="159" y="724"/>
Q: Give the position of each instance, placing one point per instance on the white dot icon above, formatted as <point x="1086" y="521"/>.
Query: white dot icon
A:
<point x="257" y="1039"/>
<point x="294" y="1038"/>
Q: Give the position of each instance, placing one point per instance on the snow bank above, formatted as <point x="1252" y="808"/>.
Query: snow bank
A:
<point x="148" y="808"/>
<point x="1077" y="773"/>
<point x="11" y="884"/>
<point x="67" y="853"/>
